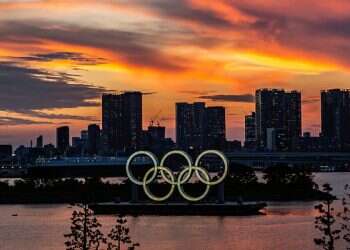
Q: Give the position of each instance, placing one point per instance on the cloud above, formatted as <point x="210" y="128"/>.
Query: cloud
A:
<point x="229" y="98"/>
<point x="306" y="28"/>
<point x="196" y="92"/>
<point x="78" y="58"/>
<point x="185" y="11"/>
<point x="39" y="114"/>
<point x="149" y="93"/>
<point x="135" y="48"/>
<point x="311" y="100"/>
<point x="28" y="90"/>
<point x="14" y="121"/>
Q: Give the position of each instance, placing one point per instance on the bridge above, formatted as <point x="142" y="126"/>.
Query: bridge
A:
<point x="115" y="166"/>
<point x="309" y="159"/>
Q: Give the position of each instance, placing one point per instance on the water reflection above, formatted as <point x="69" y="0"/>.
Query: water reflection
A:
<point x="286" y="226"/>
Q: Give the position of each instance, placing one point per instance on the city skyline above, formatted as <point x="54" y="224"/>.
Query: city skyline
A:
<point x="185" y="50"/>
<point x="276" y="109"/>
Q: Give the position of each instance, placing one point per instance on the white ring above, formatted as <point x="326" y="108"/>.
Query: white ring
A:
<point x="176" y="152"/>
<point x="128" y="163"/>
<point x="182" y="191"/>
<point x="224" y="159"/>
<point x="149" y="193"/>
<point x="169" y="177"/>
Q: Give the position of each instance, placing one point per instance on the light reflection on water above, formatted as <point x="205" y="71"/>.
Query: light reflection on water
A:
<point x="287" y="226"/>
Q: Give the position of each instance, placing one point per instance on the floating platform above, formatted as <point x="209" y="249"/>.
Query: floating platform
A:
<point x="165" y="209"/>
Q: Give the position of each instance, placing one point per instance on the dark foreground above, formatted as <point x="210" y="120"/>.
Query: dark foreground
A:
<point x="207" y="209"/>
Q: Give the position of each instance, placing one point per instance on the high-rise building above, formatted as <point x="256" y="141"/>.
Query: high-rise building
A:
<point x="250" y="131"/>
<point x="5" y="151"/>
<point x="277" y="139"/>
<point x="335" y="118"/>
<point x="190" y="125"/>
<point x="293" y="117"/>
<point x="156" y="134"/>
<point x="84" y="135"/>
<point x="215" y="127"/>
<point x="277" y="109"/>
<point x="62" y="139"/>
<point x="40" y="141"/>
<point x="198" y="127"/>
<point x="94" y="133"/>
<point x="77" y="143"/>
<point x="122" y="121"/>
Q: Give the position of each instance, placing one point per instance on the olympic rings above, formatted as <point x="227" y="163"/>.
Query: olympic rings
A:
<point x="183" y="177"/>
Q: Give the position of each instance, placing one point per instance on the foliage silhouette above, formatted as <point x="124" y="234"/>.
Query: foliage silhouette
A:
<point x="345" y="216"/>
<point x="120" y="237"/>
<point x="85" y="230"/>
<point x="325" y="223"/>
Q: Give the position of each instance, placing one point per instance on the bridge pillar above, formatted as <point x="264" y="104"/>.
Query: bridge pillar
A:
<point x="134" y="193"/>
<point x="221" y="192"/>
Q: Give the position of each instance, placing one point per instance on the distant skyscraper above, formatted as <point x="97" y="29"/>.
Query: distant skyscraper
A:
<point x="277" y="139"/>
<point x="335" y="116"/>
<point x="156" y="134"/>
<point x="190" y="125"/>
<point x="250" y="131"/>
<point x="77" y="143"/>
<point x="292" y="112"/>
<point x="84" y="135"/>
<point x="122" y="121"/>
<point x="39" y="141"/>
<point x="62" y="139"/>
<point x="93" y="138"/>
<point x="198" y="127"/>
<point x="215" y="127"/>
<point x="277" y="109"/>
<point x="5" y="151"/>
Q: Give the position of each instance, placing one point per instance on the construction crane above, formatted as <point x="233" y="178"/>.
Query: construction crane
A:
<point x="154" y="119"/>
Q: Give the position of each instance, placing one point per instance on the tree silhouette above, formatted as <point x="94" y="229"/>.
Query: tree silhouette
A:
<point x="120" y="236"/>
<point x="325" y="221"/>
<point x="85" y="230"/>
<point x="242" y="175"/>
<point x="345" y="216"/>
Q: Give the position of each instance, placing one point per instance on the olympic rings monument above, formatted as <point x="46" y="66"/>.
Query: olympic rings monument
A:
<point x="191" y="205"/>
<point x="183" y="176"/>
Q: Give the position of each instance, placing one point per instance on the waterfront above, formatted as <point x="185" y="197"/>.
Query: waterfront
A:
<point x="287" y="226"/>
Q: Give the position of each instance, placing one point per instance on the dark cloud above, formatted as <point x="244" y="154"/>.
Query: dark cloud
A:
<point x="184" y="10"/>
<point x="78" y="58"/>
<point x="229" y="98"/>
<point x="14" y="121"/>
<point x="311" y="100"/>
<point x="326" y="36"/>
<point x="131" y="47"/>
<point x="196" y="92"/>
<point x="149" y="93"/>
<point x="28" y="90"/>
<point x="315" y="125"/>
<point x="166" y="118"/>
<point x="234" y="114"/>
<point x="40" y="114"/>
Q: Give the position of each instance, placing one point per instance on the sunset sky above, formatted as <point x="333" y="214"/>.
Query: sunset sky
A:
<point x="58" y="57"/>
